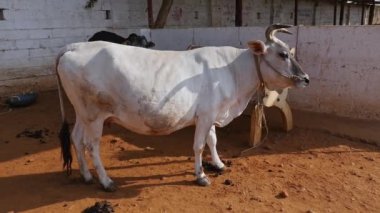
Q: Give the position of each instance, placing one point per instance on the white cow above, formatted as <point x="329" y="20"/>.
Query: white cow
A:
<point x="155" y="92"/>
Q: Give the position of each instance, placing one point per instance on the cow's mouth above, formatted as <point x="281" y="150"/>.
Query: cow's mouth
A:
<point x="302" y="82"/>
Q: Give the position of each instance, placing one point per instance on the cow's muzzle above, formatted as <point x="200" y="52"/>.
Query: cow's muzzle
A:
<point x="303" y="81"/>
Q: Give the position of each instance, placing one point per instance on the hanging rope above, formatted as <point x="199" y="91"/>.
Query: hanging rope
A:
<point x="259" y="107"/>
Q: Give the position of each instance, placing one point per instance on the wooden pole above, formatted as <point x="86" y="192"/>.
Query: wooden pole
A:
<point x="295" y="12"/>
<point x="314" y="20"/>
<point x="163" y="13"/>
<point x="150" y="14"/>
<point x="371" y="12"/>
<point x="335" y="10"/>
<point x="341" y="15"/>
<point x="362" y="22"/>
<point x="238" y="13"/>
<point x="271" y="12"/>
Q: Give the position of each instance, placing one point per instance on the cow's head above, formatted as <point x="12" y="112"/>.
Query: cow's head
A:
<point x="277" y="62"/>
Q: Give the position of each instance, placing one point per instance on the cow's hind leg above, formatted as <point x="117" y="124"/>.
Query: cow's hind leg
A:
<point x="201" y="130"/>
<point x="211" y="142"/>
<point x="93" y="133"/>
<point x="77" y="136"/>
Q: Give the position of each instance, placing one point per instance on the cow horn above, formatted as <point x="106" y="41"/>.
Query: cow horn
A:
<point x="273" y="29"/>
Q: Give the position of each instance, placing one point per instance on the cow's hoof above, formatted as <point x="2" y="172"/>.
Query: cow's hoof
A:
<point x="212" y="167"/>
<point x="110" y="188"/>
<point x="88" y="181"/>
<point x="203" y="181"/>
<point x="220" y="170"/>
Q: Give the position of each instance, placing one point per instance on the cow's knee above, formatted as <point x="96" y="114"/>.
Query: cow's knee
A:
<point x="198" y="148"/>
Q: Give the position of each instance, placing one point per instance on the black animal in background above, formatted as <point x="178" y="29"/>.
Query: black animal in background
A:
<point x="107" y="36"/>
<point x="133" y="39"/>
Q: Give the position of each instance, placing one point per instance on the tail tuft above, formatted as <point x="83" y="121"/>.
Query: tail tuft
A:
<point x="64" y="136"/>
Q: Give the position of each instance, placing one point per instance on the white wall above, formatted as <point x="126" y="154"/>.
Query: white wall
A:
<point x="33" y="32"/>
<point x="180" y="39"/>
<point x="343" y="62"/>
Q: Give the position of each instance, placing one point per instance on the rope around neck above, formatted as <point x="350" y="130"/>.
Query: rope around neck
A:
<point x="259" y="106"/>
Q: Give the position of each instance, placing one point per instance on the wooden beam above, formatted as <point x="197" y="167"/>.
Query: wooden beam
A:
<point x="341" y="15"/>
<point x="371" y="12"/>
<point x="271" y="12"/>
<point x="295" y="12"/>
<point x="362" y="22"/>
<point x="314" y="19"/>
<point x="335" y="10"/>
<point x="238" y="13"/>
<point x="163" y="14"/>
<point x="150" y="14"/>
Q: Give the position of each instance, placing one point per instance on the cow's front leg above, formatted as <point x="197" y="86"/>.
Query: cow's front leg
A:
<point x="211" y="142"/>
<point x="201" y="131"/>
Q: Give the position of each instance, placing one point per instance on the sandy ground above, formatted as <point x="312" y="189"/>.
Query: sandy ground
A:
<point x="318" y="171"/>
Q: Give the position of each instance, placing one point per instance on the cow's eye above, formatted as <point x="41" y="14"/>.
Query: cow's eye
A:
<point x="284" y="55"/>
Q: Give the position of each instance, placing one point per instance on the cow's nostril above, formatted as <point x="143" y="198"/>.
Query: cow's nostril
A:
<point x="306" y="80"/>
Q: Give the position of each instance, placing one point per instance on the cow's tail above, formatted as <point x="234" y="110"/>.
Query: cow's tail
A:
<point x="64" y="133"/>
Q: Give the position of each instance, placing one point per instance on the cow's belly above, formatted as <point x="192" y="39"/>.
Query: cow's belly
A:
<point x="141" y="126"/>
<point x="153" y="123"/>
<point x="158" y="116"/>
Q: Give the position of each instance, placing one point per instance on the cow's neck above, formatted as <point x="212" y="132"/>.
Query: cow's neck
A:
<point x="248" y="80"/>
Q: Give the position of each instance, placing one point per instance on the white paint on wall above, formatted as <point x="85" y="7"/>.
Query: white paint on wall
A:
<point x="344" y="66"/>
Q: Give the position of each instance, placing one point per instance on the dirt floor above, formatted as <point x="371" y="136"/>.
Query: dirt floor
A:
<point x="306" y="170"/>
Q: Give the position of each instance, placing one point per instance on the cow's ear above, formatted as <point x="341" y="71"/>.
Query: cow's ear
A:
<point x="293" y="51"/>
<point x="258" y="47"/>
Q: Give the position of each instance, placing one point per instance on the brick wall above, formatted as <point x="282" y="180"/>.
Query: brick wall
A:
<point x="33" y="32"/>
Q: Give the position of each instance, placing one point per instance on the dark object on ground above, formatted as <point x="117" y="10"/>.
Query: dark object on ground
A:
<point x="228" y="182"/>
<point x="132" y="40"/>
<point x="212" y="168"/>
<point x="100" y="207"/>
<point x="36" y="134"/>
<point x="228" y="163"/>
<point x="282" y="195"/>
<point x="22" y="100"/>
